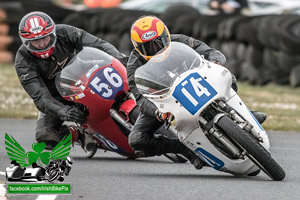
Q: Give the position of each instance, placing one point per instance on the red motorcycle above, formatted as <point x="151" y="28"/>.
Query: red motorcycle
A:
<point x="98" y="82"/>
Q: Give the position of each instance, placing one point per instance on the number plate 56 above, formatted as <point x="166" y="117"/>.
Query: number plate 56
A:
<point x="107" y="83"/>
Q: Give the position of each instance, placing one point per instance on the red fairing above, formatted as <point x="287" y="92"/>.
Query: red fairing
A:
<point x="99" y="119"/>
<point x="127" y="107"/>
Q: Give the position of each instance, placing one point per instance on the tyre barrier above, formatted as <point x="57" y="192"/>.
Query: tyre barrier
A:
<point x="259" y="49"/>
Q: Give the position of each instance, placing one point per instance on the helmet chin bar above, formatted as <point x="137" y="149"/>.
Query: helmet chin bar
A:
<point x="44" y="54"/>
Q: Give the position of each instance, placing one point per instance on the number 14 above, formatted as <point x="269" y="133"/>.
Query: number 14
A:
<point x="198" y="88"/>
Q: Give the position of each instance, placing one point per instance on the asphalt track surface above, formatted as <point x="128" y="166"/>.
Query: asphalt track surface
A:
<point x="110" y="176"/>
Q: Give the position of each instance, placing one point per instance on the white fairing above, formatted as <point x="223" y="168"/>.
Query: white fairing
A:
<point x="187" y="117"/>
<point x="188" y="95"/>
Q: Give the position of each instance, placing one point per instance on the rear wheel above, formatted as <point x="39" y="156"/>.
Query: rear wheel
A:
<point x="254" y="151"/>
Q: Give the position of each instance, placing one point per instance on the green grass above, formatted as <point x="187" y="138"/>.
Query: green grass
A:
<point x="280" y="103"/>
<point x="14" y="101"/>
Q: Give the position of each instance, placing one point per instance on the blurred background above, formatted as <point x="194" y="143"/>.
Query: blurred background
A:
<point x="260" y="38"/>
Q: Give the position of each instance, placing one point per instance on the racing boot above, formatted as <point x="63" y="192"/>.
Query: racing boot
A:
<point x="163" y="144"/>
<point x="86" y="141"/>
<point x="260" y="116"/>
<point x="193" y="158"/>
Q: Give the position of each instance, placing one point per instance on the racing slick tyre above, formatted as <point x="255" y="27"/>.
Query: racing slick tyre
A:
<point x="254" y="151"/>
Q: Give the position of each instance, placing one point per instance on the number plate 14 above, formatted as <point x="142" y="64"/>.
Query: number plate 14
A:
<point x="194" y="92"/>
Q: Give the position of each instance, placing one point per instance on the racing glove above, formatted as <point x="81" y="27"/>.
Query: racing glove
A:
<point x="217" y="62"/>
<point x="72" y="114"/>
<point x="163" y="116"/>
<point x="123" y="59"/>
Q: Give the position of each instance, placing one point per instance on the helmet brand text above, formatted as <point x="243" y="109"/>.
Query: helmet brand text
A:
<point x="149" y="35"/>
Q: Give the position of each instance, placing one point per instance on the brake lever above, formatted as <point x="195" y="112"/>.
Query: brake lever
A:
<point x="167" y="123"/>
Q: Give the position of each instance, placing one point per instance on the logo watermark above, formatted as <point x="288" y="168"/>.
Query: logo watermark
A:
<point x="57" y="162"/>
<point x="20" y="188"/>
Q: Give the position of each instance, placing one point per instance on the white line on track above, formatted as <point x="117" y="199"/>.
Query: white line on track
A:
<point x="2" y="192"/>
<point x="46" y="197"/>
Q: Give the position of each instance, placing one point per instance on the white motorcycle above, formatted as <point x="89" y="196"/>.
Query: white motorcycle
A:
<point x="208" y="115"/>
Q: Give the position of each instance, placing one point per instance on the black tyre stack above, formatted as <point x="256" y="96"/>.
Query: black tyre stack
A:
<point x="10" y="14"/>
<point x="110" y="24"/>
<point x="259" y="49"/>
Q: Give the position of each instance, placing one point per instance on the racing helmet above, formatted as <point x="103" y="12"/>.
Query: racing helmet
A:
<point x="35" y="27"/>
<point x="149" y="35"/>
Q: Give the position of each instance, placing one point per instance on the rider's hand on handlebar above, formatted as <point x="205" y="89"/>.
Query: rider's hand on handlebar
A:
<point x="163" y="116"/>
<point x="72" y="114"/>
<point x="123" y="59"/>
<point x="217" y="62"/>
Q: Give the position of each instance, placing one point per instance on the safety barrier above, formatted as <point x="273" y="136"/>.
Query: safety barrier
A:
<point x="259" y="49"/>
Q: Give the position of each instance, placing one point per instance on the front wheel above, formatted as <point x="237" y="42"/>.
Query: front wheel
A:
<point x="254" y="151"/>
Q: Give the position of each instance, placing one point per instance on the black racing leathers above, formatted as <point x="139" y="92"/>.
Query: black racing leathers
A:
<point x="37" y="75"/>
<point x="136" y="60"/>
<point x="141" y="137"/>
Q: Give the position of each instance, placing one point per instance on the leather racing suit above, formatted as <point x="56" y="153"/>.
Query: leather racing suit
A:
<point x="142" y="137"/>
<point x="37" y="76"/>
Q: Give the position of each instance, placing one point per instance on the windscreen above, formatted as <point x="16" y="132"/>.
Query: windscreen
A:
<point x="159" y="73"/>
<point x="77" y="72"/>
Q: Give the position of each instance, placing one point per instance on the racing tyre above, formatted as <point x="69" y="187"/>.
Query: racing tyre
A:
<point x="254" y="151"/>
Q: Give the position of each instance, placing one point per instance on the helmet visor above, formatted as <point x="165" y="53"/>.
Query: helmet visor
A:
<point x="154" y="46"/>
<point x="41" y="44"/>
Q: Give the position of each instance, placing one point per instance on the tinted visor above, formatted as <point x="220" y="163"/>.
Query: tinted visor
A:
<point x="152" y="47"/>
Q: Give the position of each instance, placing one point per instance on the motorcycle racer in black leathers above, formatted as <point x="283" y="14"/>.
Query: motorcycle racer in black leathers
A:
<point x="150" y="36"/>
<point x="45" y="51"/>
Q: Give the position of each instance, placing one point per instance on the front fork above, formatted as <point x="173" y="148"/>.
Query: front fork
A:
<point x="244" y="124"/>
<point x="210" y="128"/>
<point x="220" y="136"/>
